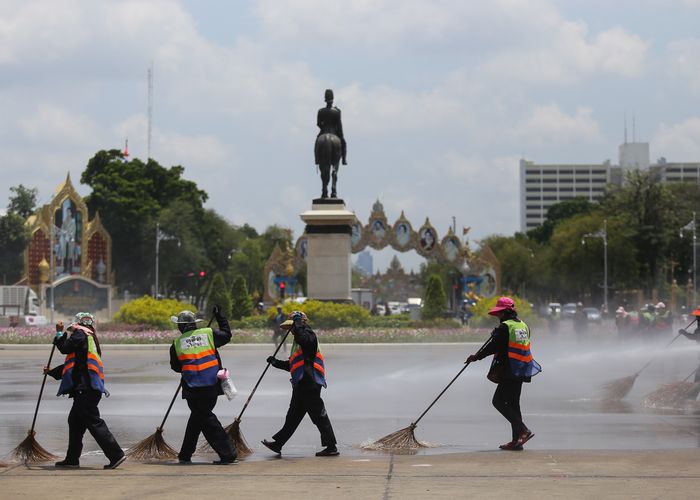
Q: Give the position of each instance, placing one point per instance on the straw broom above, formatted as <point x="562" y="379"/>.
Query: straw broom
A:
<point x="155" y="446"/>
<point x="234" y="429"/>
<point x="405" y="439"/>
<point x="29" y="450"/>
<point x="619" y="388"/>
<point x="673" y="394"/>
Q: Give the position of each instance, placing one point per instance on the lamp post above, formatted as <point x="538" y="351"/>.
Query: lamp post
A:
<point x="603" y="234"/>
<point x="160" y="235"/>
<point x="690" y="226"/>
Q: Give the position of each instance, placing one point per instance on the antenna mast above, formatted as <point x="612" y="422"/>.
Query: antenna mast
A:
<point x="150" y="109"/>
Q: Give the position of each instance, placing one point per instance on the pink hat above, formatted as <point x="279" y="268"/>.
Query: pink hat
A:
<point x="502" y="304"/>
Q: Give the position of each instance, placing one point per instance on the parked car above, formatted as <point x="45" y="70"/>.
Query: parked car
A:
<point x="593" y="315"/>
<point x="568" y="310"/>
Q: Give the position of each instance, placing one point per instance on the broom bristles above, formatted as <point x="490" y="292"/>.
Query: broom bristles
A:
<point x="153" y="447"/>
<point x="30" y="451"/>
<point x="403" y="439"/>
<point x="618" y="389"/>
<point x="672" y="395"/>
<point x="234" y="432"/>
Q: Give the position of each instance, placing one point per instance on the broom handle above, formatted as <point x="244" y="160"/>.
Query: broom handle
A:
<point x="451" y="382"/>
<point x="691" y="374"/>
<point x="665" y="347"/>
<point x="41" y="391"/>
<point x="238" y="418"/>
<point x="172" y="401"/>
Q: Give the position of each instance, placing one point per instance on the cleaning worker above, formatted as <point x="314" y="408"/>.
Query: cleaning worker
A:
<point x="82" y="378"/>
<point x="511" y="366"/>
<point x="307" y="369"/>
<point x="694" y="336"/>
<point x="195" y="355"/>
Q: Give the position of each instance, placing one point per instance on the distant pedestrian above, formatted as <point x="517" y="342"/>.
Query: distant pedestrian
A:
<point x="82" y="378"/>
<point x="511" y="366"/>
<point x="580" y="321"/>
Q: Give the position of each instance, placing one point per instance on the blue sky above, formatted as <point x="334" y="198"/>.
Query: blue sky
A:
<point x="440" y="98"/>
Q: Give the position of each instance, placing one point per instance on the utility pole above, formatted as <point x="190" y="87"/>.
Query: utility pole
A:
<point x="603" y="234"/>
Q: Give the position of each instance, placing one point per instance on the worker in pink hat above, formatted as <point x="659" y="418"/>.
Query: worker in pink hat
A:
<point x="512" y="365"/>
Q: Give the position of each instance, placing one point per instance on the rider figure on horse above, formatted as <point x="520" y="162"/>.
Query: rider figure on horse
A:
<point x="329" y="122"/>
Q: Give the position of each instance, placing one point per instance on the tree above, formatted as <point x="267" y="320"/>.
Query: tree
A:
<point x="435" y="299"/>
<point x="14" y="237"/>
<point x="23" y="202"/>
<point x="557" y="213"/>
<point x="241" y="305"/>
<point x="220" y="295"/>
<point x="129" y="195"/>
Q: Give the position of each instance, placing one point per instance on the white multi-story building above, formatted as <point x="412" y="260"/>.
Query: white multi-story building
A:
<point x="544" y="185"/>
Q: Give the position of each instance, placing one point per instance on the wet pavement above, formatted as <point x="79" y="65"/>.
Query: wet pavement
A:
<point x="377" y="389"/>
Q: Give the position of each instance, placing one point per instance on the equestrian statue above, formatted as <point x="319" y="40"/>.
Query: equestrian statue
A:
<point x="330" y="144"/>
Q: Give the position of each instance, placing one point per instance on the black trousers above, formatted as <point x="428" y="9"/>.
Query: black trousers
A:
<point x="306" y="398"/>
<point x="506" y="400"/>
<point x="83" y="416"/>
<point x="202" y="420"/>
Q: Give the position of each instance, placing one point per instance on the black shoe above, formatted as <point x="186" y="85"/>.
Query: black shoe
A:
<point x="226" y="461"/>
<point x="330" y="451"/>
<point x="115" y="463"/>
<point x="184" y="460"/>
<point x="65" y="464"/>
<point x="273" y="445"/>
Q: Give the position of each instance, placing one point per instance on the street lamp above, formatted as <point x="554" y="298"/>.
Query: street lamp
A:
<point x="690" y="226"/>
<point x="603" y="234"/>
<point x="160" y="235"/>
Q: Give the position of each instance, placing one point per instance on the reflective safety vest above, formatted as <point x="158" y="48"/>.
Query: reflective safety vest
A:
<point x="296" y="365"/>
<point x="197" y="354"/>
<point x="94" y="364"/>
<point x="521" y="362"/>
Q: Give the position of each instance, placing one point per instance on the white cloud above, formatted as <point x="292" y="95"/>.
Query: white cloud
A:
<point x="549" y="124"/>
<point x="679" y="142"/>
<point x="51" y="124"/>
<point x="684" y="63"/>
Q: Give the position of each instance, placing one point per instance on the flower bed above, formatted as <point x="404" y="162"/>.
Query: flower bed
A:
<point x="140" y="335"/>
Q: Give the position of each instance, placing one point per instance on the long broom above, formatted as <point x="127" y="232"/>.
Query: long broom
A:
<point x="405" y="439"/>
<point x="673" y="394"/>
<point x="234" y="429"/>
<point x="29" y="450"/>
<point x="619" y="388"/>
<point x="155" y="446"/>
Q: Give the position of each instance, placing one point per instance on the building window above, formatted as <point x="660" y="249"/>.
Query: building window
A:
<point x="532" y="172"/>
<point x="533" y="190"/>
<point x="532" y="181"/>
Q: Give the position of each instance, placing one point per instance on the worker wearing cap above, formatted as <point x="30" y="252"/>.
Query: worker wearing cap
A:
<point x="82" y="378"/>
<point x="663" y="321"/>
<point x="307" y="368"/>
<point x="511" y="366"/>
<point x="195" y="355"/>
<point x="694" y="336"/>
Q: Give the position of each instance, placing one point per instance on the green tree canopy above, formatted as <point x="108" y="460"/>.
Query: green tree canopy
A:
<point x="435" y="299"/>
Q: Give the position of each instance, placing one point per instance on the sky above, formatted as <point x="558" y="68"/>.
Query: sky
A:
<point x="440" y="99"/>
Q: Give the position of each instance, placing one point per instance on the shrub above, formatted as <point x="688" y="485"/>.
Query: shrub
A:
<point x="435" y="298"/>
<point x="220" y="295"/>
<point x="149" y="311"/>
<point x="325" y="314"/>
<point x="241" y="305"/>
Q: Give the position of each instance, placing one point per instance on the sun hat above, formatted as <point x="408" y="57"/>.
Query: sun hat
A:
<point x="185" y="317"/>
<point x="503" y="304"/>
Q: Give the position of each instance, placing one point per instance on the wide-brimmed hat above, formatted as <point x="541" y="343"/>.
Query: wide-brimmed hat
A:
<point x="185" y="317"/>
<point x="84" y="318"/>
<point x="503" y="304"/>
<point x="696" y="312"/>
<point x="660" y="305"/>
<point x="620" y="310"/>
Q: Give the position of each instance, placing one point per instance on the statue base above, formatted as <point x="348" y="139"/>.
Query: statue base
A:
<point x="328" y="262"/>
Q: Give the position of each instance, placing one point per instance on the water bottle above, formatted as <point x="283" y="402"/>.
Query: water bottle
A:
<point x="227" y="384"/>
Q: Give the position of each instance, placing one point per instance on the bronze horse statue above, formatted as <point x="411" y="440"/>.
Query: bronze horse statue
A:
<point x="328" y="153"/>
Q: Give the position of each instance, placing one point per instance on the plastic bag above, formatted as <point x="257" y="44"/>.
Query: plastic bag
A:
<point x="227" y="384"/>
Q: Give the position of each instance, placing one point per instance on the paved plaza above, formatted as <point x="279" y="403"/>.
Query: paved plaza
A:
<point x="584" y="447"/>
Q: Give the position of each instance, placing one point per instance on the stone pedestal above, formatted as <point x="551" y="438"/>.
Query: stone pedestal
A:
<point x="328" y="263"/>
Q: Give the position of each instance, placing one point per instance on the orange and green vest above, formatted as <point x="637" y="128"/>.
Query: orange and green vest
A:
<point x="521" y="362"/>
<point x="94" y="365"/>
<point x="296" y="365"/>
<point x="197" y="354"/>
